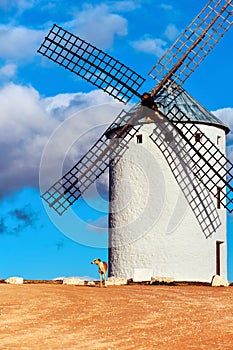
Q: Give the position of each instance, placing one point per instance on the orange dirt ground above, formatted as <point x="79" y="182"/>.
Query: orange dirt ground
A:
<point x="48" y="316"/>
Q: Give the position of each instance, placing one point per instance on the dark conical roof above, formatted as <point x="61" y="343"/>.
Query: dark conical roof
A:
<point x="166" y="101"/>
<point x="189" y="106"/>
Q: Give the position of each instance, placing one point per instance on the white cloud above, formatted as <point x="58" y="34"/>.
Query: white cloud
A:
<point x="226" y="115"/>
<point x="166" y="7"/>
<point x="64" y="105"/>
<point x="19" y="42"/>
<point x="8" y="71"/>
<point x="82" y="124"/>
<point x="21" y="111"/>
<point x="98" y="25"/>
<point x="18" y="4"/>
<point x="126" y="6"/>
<point x="150" y="45"/>
<point x="171" y="32"/>
<point x="23" y="130"/>
<point x="26" y="124"/>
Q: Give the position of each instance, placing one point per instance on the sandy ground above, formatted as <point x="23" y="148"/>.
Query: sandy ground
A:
<point x="46" y="316"/>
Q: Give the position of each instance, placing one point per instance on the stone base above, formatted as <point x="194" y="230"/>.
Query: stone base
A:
<point x="218" y="281"/>
<point x="14" y="280"/>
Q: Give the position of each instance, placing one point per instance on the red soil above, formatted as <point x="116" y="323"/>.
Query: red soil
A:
<point x="47" y="316"/>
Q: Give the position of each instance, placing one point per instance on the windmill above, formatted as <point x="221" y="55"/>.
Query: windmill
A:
<point x="200" y="168"/>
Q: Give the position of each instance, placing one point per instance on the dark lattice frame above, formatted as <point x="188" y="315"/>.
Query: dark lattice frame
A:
<point x="91" y="64"/>
<point x="61" y="195"/>
<point x="209" y="164"/>
<point x="173" y="148"/>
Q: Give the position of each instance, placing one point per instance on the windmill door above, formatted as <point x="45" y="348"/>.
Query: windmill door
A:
<point x="218" y="257"/>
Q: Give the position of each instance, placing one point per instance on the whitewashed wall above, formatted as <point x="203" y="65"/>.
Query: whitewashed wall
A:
<point x="152" y="225"/>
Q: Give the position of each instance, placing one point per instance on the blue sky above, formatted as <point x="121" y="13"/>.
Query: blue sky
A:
<point x="39" y="100"/>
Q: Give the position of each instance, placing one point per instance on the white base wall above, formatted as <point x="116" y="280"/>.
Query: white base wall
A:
<point x="151" y="223"/>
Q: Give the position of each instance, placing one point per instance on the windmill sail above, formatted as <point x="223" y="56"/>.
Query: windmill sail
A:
<point x="193" y="45"/>
<point x="61" y="195"/>
<point x="209" y="164"/>
<point x="91" y="64"/>
<point x="122" y="83"/>
<point x="167" y="139"/>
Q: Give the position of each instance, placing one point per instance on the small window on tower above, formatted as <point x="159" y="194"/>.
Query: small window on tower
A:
<point x="198" y="137"/>
<point x="139" y="138"/>
<point x="218" y="140"/>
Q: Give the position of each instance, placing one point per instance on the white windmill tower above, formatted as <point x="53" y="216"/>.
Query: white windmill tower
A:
<point x="164" y="152"/>
<point x="152" y="229"/>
